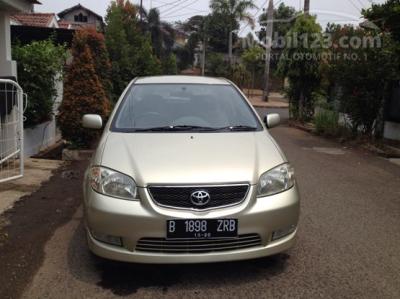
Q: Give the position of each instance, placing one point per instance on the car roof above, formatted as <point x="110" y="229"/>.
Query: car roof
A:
<point x="182" y="80"/>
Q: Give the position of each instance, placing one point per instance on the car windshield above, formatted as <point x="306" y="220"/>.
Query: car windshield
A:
<point x="184" y="107"/>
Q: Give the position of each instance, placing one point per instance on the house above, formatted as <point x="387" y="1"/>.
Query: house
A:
<point x="181" y="38"/>
<point x="79" y="16"/>
<point x="28" y="27"/>
<point x="48" y="20"/>
<point x="8" y="68"/>
<point x="11" y="125"/>
<point x="392" y="114"/>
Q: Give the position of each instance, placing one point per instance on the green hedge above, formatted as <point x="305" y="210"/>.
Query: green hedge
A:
<point x="40" y="64"/>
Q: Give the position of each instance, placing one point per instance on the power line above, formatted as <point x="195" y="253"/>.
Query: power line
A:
<point x="362" y="4"/>
<point x="167" y="4"/>
<point x="185" y="14"/>
<point x="188" y="8"/>
<point x="184" y="7"/>
<point x="355" y="6"/>
<point x="174" y="6"/>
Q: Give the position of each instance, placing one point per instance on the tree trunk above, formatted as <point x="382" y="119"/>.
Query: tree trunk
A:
<point x="301" y="106"/>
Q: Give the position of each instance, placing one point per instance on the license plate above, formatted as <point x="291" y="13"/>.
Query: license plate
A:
<point x="202" y="228"/>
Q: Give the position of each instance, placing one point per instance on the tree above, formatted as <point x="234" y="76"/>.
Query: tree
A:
<point x="386" y="16"/>
<point x="83" y="94"/>
<point x="162" y="34"/>
<point x="154" y="27"/>
<point x="216" y="66"/>
<point x="301" y="65"/>
<point x="40" y="65"/>
<point x="235" y="10"/>
<point x="240" y="75"/>
<point x="363" y="75"/>
<point x="96" y="43"/>
<point x="284" y="18"/>
<point x="225" y="18"/>
<point x="195" y="27"/>
<point x="253" y="60"/>
<point x="130" y="50"/>
<point x="163" y="39"/>
<point x="169" y="65"/>
<point x="119" y="50"/>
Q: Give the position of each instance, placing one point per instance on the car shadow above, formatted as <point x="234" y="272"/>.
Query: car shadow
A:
<point x="124" y="279"/>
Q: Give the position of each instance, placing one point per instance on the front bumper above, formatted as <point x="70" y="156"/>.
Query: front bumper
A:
<point x="133" y="220"/>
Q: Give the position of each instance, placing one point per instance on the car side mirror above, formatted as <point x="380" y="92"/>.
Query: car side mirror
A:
<point x="272" y="120"/>
<point x="92" y="121"/>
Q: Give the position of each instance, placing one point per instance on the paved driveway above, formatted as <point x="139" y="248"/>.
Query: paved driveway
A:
<point x="348" y="242"/>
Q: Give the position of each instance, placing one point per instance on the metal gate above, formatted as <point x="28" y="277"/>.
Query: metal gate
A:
<point x="11" y="130"/>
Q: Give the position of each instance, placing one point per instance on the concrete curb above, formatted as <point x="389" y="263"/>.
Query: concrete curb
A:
<point x="270" y="106"/>
<point x="76" y="155"/>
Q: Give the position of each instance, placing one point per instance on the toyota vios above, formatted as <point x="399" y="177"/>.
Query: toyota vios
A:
<point x="186" y="172"/>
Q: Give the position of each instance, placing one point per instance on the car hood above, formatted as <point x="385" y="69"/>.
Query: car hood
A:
<point x="197" y="158"/>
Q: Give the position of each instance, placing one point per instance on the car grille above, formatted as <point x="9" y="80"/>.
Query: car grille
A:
<point x="179" y="197"/>
<point x="197" y="245"/>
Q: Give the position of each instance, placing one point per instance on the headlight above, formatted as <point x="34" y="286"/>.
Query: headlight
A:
<point x="276" y="180"/>
<point x="112" y="183"/>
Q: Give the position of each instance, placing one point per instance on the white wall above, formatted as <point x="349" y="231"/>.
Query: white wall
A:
<point x="45" y="134"/>
<point x="8" y="68"/>
<point x="392" y="130"/>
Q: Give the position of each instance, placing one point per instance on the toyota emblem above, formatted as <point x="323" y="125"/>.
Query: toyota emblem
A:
<point x="200" y="198"/>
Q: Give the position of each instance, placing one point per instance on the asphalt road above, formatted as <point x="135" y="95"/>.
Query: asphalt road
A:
<point x="348" y="243"/>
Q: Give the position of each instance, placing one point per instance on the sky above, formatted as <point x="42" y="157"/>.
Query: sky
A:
<point x="339" y="11"/>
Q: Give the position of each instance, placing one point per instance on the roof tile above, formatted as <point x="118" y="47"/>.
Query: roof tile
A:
<point x="34" y="19"/>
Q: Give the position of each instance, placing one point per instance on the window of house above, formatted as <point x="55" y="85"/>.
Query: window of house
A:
<point x="81" y="18"/>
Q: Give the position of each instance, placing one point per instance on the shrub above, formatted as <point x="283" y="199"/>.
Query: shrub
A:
<point x="239" y="75"/>
<point x="130" y="50"/>
<point x="83" y="93"/>
<point x="303" y="74"/>
<point x="327" y="122"/>
<point x="40" y="65"/>
<point x="253" y="60"/>
<point x="169" y="65"/>
<point x="216" y="65"/>
<point x="365" y="80"/>
<point x="96" y="43"/>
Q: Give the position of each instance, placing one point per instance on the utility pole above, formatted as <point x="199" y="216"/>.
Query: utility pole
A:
<point x="268" y="46"/>
<point x="203" y="59"/>
<point x="141" y="11"/>
<point x="306" y="7"/>
<point x="230" y="46"/>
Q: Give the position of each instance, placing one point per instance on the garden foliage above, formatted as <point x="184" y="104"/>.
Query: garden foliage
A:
<point x="40" y="66"/>
<point x="83" y="94"/>
<point x="301" y="65"/>
<point x="96" y="43"/>
<point x="130" y="50"/>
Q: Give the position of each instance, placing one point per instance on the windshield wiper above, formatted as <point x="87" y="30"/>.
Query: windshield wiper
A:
<point x="238" y="128"/>
<point x="175" y="129"/>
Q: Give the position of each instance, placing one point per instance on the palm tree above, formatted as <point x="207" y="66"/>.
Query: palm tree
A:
<point x="162" y="33"/>
<point x="236" y="11"/>
<point x="154" y="27"/>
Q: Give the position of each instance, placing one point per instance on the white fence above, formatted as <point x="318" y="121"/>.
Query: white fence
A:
<point x="11" y="130"/>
